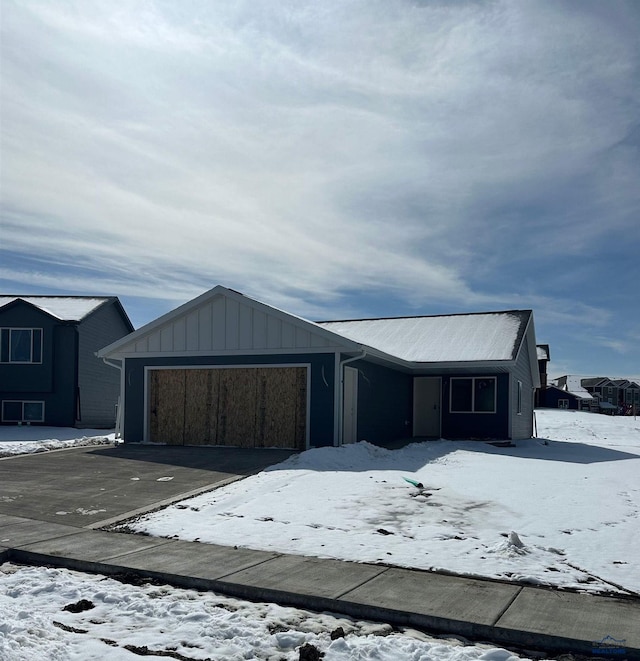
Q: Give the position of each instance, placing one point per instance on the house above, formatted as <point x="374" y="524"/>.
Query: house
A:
<point x="558" y="398"/>
<point x="575" y="394"/>
<point x="544" y="356"/>
<point x="614" y="394"/>
<point x="631" y="398"/>
<point x="225" y="369"/>
<point x="49" y="373"/>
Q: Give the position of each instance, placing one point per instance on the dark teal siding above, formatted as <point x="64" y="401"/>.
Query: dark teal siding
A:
<point x="321" y="415"/>
<point x="385" y="403"/>
<point x="54" y="380"/>
<point x="477" y="425"/>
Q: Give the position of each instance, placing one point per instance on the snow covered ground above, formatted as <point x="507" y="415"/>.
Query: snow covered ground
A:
<point x="123" y="622"/>
<point x="27" y="439"/>
<point x="563" y="509"/>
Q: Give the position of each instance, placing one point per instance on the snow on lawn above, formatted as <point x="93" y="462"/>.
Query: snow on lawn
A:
<point x="562" y="511"/>
<point x="27" y="439"/>
<point x="117" y="621"/>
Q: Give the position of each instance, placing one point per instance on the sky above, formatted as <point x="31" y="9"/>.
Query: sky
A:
<point x="351" y="159"/>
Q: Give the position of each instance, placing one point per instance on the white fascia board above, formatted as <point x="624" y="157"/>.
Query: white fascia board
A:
<point x="231" y="352"/>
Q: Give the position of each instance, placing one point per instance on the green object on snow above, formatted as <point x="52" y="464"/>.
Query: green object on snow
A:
<point x="415" y="484"/>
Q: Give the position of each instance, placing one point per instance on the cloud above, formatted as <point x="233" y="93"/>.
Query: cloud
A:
<point x="303" y="150"/>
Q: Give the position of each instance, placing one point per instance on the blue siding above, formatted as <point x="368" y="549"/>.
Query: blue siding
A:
<point x="550" y="397"/>
<point x="99" y="384"/>
<point x="477" y="425"/>
<point x="54" y="380"/>
<point x="385" y="403"/>
<point x="321" y="397"/>
<point x="522" y="423"/>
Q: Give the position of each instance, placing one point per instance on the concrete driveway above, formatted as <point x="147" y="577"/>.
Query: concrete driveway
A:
<point x="92" y="487"/>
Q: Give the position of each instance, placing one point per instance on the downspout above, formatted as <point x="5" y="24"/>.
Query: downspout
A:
<point x="341" y="365"/>
<point x="120" y="413"/>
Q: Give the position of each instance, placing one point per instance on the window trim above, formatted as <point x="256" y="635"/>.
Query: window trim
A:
<point x="37" y="345"/>
<point x="473" y="379"/>
<point x="519" y="398"/>
<point x="563" y="401"/>
<point x="22" y="402"/>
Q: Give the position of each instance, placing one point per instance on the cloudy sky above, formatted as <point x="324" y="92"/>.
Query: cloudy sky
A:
<point x="337" y="159"/>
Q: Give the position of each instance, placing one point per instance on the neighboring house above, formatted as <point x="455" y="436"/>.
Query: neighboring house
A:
<point x="618" y="393"/>
<point x="224" y="369"/>
<point x="631" y="396"/>
<point x="571" y="385"/>
<point x="544" y="356"/>
<point x="602" y="388"/>
<point x="49" y="373"/>
<point x="557" y="398"/>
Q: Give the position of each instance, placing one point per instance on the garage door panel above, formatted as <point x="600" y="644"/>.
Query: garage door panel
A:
<point x="197" y="423"/>
<point x="238" y="403"/>
<point x="276" y="418"/>
<point x="167" y="406"/>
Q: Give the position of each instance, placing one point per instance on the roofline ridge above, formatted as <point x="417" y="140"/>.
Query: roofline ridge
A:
<point x="424" y="316"/>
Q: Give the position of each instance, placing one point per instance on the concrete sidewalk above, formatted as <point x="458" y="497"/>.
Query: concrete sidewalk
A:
<point x="503" y="613"/>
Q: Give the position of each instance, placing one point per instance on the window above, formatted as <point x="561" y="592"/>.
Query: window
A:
<point x="15" y="411"/>
<point x="473" y="395"/>
<point x="563" y="403"/>
<point x="21" y="345"/>
<point x="519" y="399"/>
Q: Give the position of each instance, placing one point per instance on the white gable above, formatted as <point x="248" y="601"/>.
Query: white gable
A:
<point x="222" y="321"/>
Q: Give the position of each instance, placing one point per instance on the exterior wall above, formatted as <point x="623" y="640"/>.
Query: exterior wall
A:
<point x="98" y="383"/>
<point x="385" y="403"/>
<point x="477" y="425"/>
<point x="321" y="415"/>
<point x="54" y="380"/>
<point x="522" y="423"/>
<point x="553" y="395"/>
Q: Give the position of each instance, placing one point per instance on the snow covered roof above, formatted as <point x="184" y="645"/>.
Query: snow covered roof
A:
<point x="543" y="351"/>
<point x="572" y="383"/>
<point x="484" y="336"/>
<point x="580" y="394"/>
<point x="65" y="308"/>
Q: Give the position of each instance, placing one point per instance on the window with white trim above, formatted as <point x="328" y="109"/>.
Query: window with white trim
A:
<point x="22" y="411"/>
<point x="519" y="399"/>
<point x="563" y="403"/>
<point x="21" y="345"/>
<point x="472" y="394"/>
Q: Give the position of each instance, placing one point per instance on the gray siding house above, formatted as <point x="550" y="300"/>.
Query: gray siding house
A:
<point x="49" y="373"/>
<point x="225" y="369"/>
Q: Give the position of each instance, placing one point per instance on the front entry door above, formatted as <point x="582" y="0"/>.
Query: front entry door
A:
<point x="426" y="406"/>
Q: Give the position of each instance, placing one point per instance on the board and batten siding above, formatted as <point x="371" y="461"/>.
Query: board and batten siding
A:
<point x="522" y="423"/>
<point x="224" y="324"/>
<point x="98" y="383"/>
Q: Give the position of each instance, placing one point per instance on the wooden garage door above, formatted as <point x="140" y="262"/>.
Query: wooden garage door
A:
<point x="243" y="407"/>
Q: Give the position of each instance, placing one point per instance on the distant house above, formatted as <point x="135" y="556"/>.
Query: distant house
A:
<point x="558" y="398"/>
<point x="225" y="369"/>
<point x="49" y="373"/>
<point x="619" y="394"/>
<point x="576" y="397"/>
<point x="544" y="356"/>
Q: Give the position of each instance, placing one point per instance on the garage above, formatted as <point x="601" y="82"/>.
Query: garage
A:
<point x="251" y="407"/>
